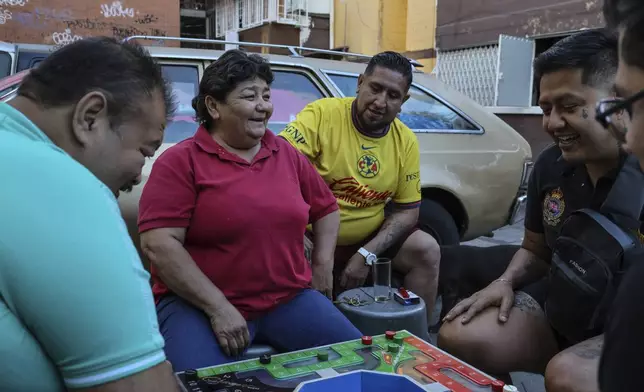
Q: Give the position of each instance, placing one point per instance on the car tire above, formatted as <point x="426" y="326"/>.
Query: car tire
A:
<point x="436" y="221"/>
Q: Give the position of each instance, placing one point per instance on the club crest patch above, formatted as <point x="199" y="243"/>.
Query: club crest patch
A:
<point x="368" y="166"/>
<point x="553" y="207"/>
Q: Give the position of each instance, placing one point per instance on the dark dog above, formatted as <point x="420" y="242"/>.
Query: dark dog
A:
<point x="466" y="269"/>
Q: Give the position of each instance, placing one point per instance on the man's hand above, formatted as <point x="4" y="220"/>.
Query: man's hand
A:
<point x="355" y="273"/>
<point x="230" y="329"/>
<point x="498" y="293"/>
<point x="323" y="278"/>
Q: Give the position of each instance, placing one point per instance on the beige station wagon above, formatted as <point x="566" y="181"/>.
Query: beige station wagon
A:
<point x="474" y="167"/>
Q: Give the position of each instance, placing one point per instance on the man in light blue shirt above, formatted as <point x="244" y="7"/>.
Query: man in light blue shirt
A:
<point x="76" y="308"/>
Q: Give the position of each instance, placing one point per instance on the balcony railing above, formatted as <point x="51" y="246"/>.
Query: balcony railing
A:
<point x="238" y="15"/>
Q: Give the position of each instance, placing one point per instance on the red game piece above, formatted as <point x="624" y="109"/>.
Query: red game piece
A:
<point x="390" y="335"/>
<point x="403" y="292"/>
<point x="366" y="340"/>
<point x="497" y="386"/>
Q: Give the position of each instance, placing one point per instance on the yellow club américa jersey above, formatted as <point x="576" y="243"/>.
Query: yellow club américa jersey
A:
<point x="363" y="172"/>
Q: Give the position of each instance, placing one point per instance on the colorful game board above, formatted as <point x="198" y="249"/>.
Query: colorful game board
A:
<point x="394" y="352"/>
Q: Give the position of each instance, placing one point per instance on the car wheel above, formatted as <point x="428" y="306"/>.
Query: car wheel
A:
<point x="436" y="221"/>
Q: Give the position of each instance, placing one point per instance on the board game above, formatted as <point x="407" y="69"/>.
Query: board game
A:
<point x="394" y="352"/>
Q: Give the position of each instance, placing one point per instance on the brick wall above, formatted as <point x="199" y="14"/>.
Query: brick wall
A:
<point x="56" y="22"/>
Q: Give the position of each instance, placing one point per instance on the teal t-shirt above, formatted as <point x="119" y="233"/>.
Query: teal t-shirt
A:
<point x="76" y="307"/>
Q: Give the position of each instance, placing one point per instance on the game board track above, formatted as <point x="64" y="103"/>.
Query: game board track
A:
<point x="286" y="371"/>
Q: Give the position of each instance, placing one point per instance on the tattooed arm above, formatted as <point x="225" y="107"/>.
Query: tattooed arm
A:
<point x="400" y="222"/>
<point x="527" y="266"/>
<point x="530" y="263"/>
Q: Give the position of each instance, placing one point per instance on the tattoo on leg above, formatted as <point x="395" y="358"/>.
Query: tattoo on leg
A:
<point x="525" y="303"/>
<point x="584" y="113"/>
<point x="589" y="349"/>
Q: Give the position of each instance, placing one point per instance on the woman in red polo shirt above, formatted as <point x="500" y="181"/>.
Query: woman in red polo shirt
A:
<point x="222" y="220"/>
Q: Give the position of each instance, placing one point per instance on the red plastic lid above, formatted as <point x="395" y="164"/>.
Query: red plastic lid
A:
<point x="497" y="386"/>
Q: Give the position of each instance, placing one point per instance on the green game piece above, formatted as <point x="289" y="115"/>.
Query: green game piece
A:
<point x="393" y="348"/>
<point x="323" y="356"/>
<point x="398" y="339"/>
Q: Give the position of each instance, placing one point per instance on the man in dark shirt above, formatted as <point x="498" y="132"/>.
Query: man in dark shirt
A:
<point x="622" y="361"/>
<point x="502" y="330"/>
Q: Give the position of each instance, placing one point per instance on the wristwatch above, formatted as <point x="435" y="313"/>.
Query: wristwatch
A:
<point x="369" y="257"/>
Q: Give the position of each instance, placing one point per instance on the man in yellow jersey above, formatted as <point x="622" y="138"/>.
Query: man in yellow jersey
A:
<point x="368" y="157"/>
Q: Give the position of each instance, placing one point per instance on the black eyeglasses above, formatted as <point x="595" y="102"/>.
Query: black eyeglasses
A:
<point x="608" y="107"/>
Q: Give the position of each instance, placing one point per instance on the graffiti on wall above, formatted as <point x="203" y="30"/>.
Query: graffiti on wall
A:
<point x="7" y="14"/>
<point x="60" y="26"/>
<point x="116" y="10"/>
<point x="41" y="17"/>
<point x="7" y="3"/>
<point x="64" y="38"/>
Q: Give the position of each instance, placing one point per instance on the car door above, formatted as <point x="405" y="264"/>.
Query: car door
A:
<point x="423" y="112"/>
<point x="183" y="77"/>
<point x="473" y="172"/>
<point x="294" y="87"/>
<point x="7" y="55"/>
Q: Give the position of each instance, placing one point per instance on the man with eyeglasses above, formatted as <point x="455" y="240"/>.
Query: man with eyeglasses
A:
<point x="622" y="361"/>
<point x="503" y="328"/>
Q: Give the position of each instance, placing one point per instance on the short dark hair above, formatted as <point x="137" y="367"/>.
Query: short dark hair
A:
<point x="592" y="51"/>
<point x="393" y="61"/>
<point x="629" y="16"/>
<point x="221" y="77"/>
<point x="124" y="72"/>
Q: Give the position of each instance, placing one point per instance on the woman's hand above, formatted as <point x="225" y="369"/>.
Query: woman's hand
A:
<point x="323" y="278"/>
<point x="230" y="329"/>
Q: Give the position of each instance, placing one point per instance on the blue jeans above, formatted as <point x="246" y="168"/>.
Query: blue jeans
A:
<point x="308" y="320"/>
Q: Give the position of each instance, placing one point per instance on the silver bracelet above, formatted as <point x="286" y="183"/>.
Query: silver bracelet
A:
<point x="508" y="281"/>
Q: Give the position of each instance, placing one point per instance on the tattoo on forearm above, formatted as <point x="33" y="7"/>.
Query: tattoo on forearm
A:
<point x="589" y="349"/>
<point x="393" y="228"/>
<point x="533" y="269"/>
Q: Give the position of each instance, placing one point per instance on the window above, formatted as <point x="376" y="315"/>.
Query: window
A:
<point x="290" y="93"/>
<point x="421" y="111"/>
<point x="28" y="60"/>
<point x="347" y="84"/>
<point x="184" y="80"/>
<point x="5" y="64"/>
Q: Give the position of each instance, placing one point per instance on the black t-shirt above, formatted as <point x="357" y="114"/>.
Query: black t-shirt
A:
<point x="556" y="188"/>
<point x="622" y="361"/>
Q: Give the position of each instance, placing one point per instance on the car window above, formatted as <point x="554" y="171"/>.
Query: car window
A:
<point x="290" y="93"/>
<point x="184" y="80"/>
<point x="421" y="111"/>
<point x="28" y="60"/>
<point x="5" y="64"/>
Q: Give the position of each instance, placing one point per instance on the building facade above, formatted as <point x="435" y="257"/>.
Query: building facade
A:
<point x="372" y="26"/>
<point x="57" y="22"/>
<point x="485" y="49"/>
<point x="282" y="22"/>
